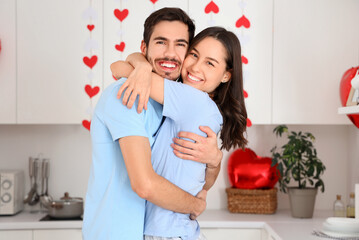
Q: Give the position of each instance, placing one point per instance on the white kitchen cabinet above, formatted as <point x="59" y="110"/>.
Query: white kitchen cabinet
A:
<point x="313" y="45"/>
<point x="52" y="40"/>
<point x="232" y="233"/>
<point x="8" y="61"/>
<point x="16" y="234"/>
<point x="73" y="234"/>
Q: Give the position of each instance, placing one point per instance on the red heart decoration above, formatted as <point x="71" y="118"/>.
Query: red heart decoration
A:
<point x="245" y="94"/>
<point x="90" y="27"/>
<point x="120" y="47"/>
<point x="211" y="7"/>
<point x="345" y="86"/>
<point x="90" y="62"/>
<point x="246" y="170"/>
<point x="121" y="15"/>
<point x="249" y="123"/>
<point x="243" y="21"/>
<point x="91" y="91"/>
<point x="153" y="1"/>
<point x="86" y="124"/>
<point x="244" y="60"/>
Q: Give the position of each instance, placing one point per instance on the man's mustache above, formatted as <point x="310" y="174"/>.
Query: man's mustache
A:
<point x="168" y="60"/>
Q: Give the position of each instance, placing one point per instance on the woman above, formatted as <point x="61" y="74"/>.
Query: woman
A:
<point x="213" y="66"/>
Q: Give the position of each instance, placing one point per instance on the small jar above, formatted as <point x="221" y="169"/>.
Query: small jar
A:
<point x="351" y="207"/>
<point x="339" y="207"/>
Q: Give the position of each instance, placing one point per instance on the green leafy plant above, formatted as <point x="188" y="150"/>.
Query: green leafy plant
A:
<point x="297" y="159"/>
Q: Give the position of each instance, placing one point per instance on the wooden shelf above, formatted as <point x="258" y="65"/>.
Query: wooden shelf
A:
<point x="349" y="110"/>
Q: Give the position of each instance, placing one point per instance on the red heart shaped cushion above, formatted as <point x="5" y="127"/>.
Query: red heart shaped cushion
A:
<point x="345" y="86"/>
<point x="246" y="170"/>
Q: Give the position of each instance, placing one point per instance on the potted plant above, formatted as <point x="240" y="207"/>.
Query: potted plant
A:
<point x="297" y="160"/>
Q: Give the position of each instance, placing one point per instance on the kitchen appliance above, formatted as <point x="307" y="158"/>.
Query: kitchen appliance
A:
<point x="12" y="184"/>
<point x="65" y="208"/>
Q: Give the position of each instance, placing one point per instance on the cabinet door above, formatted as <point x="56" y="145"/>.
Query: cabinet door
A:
<point x="16" y="235"/>
<point x="52" y="40"/>
<point x="73" y="234"/>
<point x="7" y="62"/>
<point x="255" y="37"/>
<point x="231" y="233"/>
<point x="314" y="44"/>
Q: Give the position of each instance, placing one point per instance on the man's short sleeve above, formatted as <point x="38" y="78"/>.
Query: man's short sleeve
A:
<point x="121" y="121"/>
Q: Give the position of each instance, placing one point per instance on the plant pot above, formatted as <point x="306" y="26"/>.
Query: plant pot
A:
<point x="302" y="201"/>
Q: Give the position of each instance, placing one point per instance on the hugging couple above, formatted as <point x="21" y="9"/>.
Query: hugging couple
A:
<point x="154" y="131"/>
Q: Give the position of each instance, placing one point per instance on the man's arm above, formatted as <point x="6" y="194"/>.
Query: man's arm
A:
<point x="147" y="184"/>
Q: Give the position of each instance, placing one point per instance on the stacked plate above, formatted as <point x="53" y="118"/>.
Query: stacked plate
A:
<point x="341" y="227"/>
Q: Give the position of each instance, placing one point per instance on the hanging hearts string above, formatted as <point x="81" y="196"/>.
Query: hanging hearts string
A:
<point x="243" y="21"/>
<point x="86" y="124"/>
<point x="91" y="91"/>
<point x="90" y="45"/>
<point x="90" y="27"/>
<point x="244" y="39"/>
<point x="120" y="47"/>
<point x="211" y="7"/>
<point x="244" y="60"/>
<point x="121" y="15"/>
<point x="90" y="62"/>
<point x="153" y="1"/>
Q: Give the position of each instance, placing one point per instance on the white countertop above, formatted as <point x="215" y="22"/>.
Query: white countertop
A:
<point x="281" y="225"/>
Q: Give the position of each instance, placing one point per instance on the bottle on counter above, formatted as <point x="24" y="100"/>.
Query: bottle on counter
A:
<point x="339" y="207"/>
<point x="351" y="206"/>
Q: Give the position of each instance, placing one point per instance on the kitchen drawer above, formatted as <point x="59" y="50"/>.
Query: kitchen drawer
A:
<point x="16" y="234"/>
<point x="232" y="233"/>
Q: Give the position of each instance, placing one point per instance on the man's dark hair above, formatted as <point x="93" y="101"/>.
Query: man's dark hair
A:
<point x="167" y="14"/>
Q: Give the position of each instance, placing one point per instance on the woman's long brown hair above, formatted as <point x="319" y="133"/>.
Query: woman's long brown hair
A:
<point x="229" y="96"/>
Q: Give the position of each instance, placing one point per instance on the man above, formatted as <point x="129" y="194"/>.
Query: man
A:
<point x="122" y="177"/>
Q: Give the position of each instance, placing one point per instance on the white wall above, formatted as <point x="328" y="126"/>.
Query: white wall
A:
<point x="353" y="163"/>
<point x="69" y="148"/>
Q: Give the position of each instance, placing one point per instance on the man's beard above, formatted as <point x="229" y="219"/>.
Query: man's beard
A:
<point x="166" y="74"/>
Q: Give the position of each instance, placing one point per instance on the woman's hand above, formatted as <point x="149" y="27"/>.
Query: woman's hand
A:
<point x="138" y="83"/>
<point x="202" y="195"/>
<point x="203" y="149"/>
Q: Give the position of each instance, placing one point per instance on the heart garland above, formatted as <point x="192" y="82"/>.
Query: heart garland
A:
<point x="241" y="23"/>
<point x="90" y="62"/>
<point x="120" y="47"/>
<point x="211" y="7"/>
<point x="91" y="91"/>
<point x="153" y="1"/>
<point x="90" y="45"/>
<point x="121" y="15"/>
<point x="86" y="124"/>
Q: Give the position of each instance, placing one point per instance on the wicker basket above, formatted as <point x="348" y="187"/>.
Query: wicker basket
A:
<point x="252" y="200"/>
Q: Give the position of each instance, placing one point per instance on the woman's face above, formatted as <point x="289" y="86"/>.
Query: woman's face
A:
<point x="204" y="67"/>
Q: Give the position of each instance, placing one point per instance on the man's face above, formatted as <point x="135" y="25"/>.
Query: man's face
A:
<point x="167" y="48"/>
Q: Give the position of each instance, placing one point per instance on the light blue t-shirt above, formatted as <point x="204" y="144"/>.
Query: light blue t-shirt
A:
<point x="185" y="108"/>
<point x="112" y="209"/>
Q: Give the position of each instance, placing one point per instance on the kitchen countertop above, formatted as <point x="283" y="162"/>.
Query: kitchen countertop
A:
<point x="280" y="225"/>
